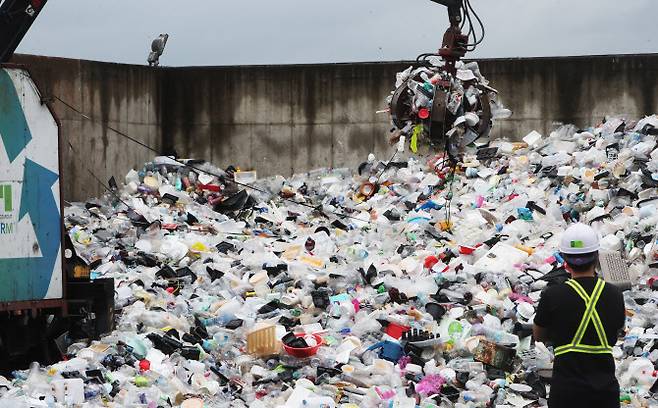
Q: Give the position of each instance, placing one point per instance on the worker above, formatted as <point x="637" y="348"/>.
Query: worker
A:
<point x="581" y="318"/>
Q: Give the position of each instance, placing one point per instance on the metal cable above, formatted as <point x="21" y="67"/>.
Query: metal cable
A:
<point x="387" y="165"/>
<point x="476" y="40"/>
<point x="453" y="169"/>
<point x="106" y="187"/>
<point x="116" y="195"/>
<point x="310" y="206"/>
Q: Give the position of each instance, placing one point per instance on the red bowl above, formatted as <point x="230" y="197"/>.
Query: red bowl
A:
<point x="304" y="351"/>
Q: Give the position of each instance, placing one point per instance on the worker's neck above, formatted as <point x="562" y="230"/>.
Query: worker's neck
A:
<point x="591" y="273"/>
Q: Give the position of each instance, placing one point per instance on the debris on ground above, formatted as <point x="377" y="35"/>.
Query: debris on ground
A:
<point x="405" y="283"/>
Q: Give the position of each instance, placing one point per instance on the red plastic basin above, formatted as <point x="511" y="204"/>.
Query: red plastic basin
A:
<point x="304" y="352"/>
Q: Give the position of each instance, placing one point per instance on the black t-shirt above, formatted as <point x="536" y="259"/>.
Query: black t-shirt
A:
<point x="560" y="311"/>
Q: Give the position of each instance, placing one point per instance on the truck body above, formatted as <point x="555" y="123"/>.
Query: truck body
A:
<point x="45" y="302"/>
<point x="31" y="272"/>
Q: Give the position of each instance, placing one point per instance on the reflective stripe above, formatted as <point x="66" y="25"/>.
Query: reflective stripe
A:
<point x="590" y="350"/>
<point x="590" y="315"/>
<point x="582" y="326"/>
<point x="596" y="320"/>
<point x="584" y="351"/>
<point x="590" y="304"/>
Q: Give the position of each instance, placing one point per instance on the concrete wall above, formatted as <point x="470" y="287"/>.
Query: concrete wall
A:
<point x="579" y="90"/>
<point x="278" y="119"/>
<point x="286" y="119"/>
<point x="121" y="96"/>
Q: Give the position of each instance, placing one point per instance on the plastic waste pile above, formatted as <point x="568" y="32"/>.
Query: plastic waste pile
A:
<point x="405" y="283"/>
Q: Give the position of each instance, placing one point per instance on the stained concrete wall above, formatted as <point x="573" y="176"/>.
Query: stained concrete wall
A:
<point x="280" y="119"/>
<point x="286" y="119"/>
<point x="123" y="97"/>
<point x="579" y="90"/>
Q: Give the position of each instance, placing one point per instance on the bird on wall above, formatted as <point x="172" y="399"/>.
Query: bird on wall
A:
<point x="157" y="48"/>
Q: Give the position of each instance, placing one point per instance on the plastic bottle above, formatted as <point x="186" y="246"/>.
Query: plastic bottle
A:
<point x="225" y="314"/>
<point x="497" y="336"/>
<point x="629" y="343"/>
<point x="475" y="397"/>
<point x="501" y="395"/>
<point x="318" y="402"/>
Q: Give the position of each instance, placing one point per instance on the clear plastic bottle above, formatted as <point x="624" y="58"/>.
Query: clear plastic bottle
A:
<point x="497" y="336"/>
<point x="629" y="343"/>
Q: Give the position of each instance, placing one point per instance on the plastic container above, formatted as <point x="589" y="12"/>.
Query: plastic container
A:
<point x="304" y="352"/>
<point x="396" y="330"/>
<point x="245" y="176"/>
<point x="263" y="342"/>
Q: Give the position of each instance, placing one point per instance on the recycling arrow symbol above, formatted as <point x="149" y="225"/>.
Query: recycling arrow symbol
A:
<point x="28" y="278"/>
<point x="14" y="129"/>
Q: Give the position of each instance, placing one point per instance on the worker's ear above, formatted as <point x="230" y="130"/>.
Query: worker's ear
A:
<point x="568" y="268"/>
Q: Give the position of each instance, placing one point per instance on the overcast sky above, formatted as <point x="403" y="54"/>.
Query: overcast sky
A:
<point x="220" y="32"/>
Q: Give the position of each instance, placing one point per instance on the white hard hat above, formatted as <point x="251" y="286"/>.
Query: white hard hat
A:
<point x="579" y="239"/>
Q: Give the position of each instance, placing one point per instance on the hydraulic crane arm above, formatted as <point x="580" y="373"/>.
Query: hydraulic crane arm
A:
<point x="454" y="45"/>
<point x="16" y="18"/>
<point x="454" y="10"/>
<point x="421" y="104"/>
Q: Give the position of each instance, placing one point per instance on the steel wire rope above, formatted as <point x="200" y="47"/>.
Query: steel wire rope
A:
<point x="245" y="185"/>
